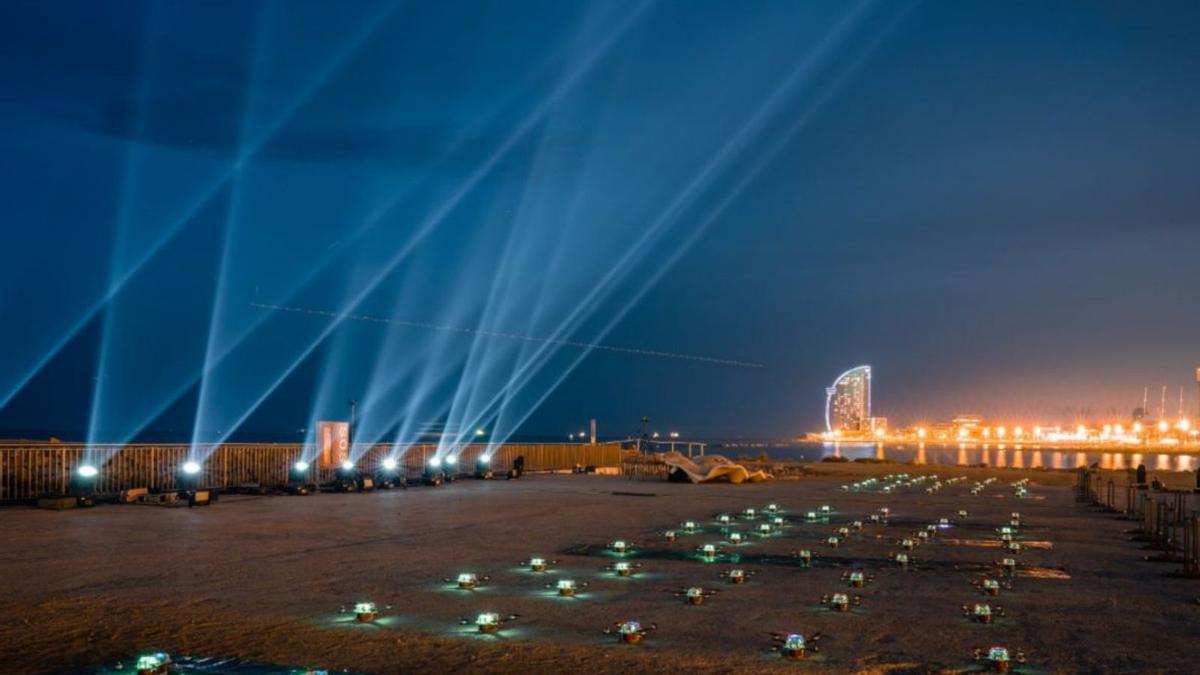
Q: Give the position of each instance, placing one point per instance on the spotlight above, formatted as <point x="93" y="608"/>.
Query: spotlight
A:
<point x="483" y="466"/>
<point x="298" y="483"/>
<point x="451" y="460"/>
<point x="189" y="484"/>
<point x="191" y="468"/>
<point x="83" y="484"/>
<point x="157" y="663"/>
<point x="389" y="464"/>
<point x="390" y="474"/>
<point x="347" y="465"/>
<point x="349" y="480"/>
<point x="433" y="474"/>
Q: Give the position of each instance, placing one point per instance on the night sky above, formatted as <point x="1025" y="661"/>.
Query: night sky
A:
<point x="994" y="204"/>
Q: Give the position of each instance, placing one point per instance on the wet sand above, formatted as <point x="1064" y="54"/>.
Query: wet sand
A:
<point x="263" y="578"/>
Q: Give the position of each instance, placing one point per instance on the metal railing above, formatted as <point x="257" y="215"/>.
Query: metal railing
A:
<point x="31" y="471"/>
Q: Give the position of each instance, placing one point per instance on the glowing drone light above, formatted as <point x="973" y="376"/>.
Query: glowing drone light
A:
<point x="843" y="531"/>
<point x="902" y="559"/>
<point x="857" y="579"/>
<point x="723" y="519"/>
<point x="537" y="564"/>
<point x="833" y="542"/>
<point x="750" y="513"/>
<point x="365" y="612"/>
<point x="805" y="556"/>
<point x="923" y="535"/>
<point x="772" y="507"/>
<point x="670" y="535"/>
<point x="619" y="546"/>
<point x="793" y="646"/>
<point x="999" y="658"/>
<point x="1006" y="530"/>
<point x="735" y="538"/>
<point x="690" y="526"/>
<point x="488" y="622"/>
<point x="708" y="551"/>
<point x="764" y="528"/>
<point x="631" y="632"/>
<point x="566" y="587"/>
<point x="856" y="525"/>
<point x="907" y="544"/>
<point x="874" y="518"/>
<point x="1009" y="565"/>
<point x="839" y="602"/>
<point x="623" y="569"/>
<point x="153" y="664"/>
<point x="982" y="612"/>
<point x="467" y="581"/>
<point x="990" y="586"/>
<point x="825" y="508"/>
<point x="810" y="515"/>
<point x="884" y="511"/>
<point x="695" y="595"/>
<point x="1014" y="547"/>
<point x="737" y="576"/>
<point x="777" y="521"/>
<point x="944" y="522"/>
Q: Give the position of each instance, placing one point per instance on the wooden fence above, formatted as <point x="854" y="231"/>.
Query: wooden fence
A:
<point x="30" y="471"/>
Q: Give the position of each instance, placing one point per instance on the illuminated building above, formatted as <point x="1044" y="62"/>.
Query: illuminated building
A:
<point x="848" y="402"/>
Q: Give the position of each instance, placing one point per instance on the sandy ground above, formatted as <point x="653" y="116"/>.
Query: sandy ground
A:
<point x="263" y="578"/>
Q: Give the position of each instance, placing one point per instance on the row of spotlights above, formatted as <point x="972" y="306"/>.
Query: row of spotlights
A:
<point x="192" y="467"/>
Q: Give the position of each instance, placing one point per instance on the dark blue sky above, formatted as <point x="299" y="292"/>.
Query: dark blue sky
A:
<point x="993" y="204"/>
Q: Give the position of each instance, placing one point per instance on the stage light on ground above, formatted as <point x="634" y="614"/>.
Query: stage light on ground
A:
<point x="300" y="466"/>
<point x="347" y="465"/>
<point x="88" y="471"/>
<point x="191" y="468"/>
<point x="451" y="460"/>
<point x="390" y="464"/>
<point x="435" y="461"/>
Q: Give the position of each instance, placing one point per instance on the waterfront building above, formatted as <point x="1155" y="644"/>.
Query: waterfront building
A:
<point x="848" y="402"/>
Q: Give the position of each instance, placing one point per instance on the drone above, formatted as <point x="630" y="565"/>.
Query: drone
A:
<point x="566" y="587"/>
<point x="750" y="514"/>
<point x="857" y="578"/>
<point x="737" y="576"/>
<point x="630" y="632"/>
<point x="708" y="551"/>
<point x="902" y="559"/>
<point x="834" y="541"/>
<point x="689" y="527"/>
<point x="724" y="519"/>
<point x="468" y="581"/>
<point x="981" y="612"/>
<point x="805" y="556"/>
<point x="620" y="547"/>
<point x="538" y="564"/>
<point x="623" y="569"/>
<point x="1008" y="565"/>
<point x="908" y="544"/>
<point x="695" y="595"/>
<point x="841" y="602"/>
<point x="999" y="659"/>
<point x="364" y="612"/>
<point x="488" y="622"/>
<point x="991" y="586"/>
<point x="793" y="646"/>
